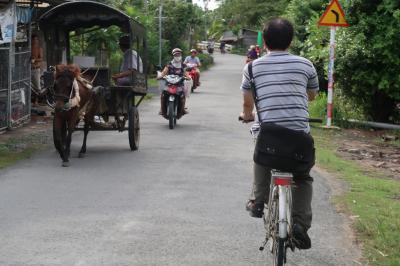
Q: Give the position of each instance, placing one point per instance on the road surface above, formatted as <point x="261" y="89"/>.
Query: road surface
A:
<point x="179" y="200"/>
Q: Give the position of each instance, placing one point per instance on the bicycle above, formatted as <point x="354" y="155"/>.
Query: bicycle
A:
<point x="277" y="217"/>
<point x="45" y="93"/>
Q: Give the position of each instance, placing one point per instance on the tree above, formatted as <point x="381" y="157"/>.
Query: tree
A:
<point x="369" y="64"/>
<point x="249" y="14"/>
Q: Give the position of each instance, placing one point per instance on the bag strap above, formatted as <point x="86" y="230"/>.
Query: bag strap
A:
<point x="253" y="88"/>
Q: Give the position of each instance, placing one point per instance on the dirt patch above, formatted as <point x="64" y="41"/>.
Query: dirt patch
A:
<point x="372" y="150"/>
<point x="37" y="131"/>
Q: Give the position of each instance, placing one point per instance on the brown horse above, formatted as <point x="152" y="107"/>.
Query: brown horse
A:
<point x="70" y="106"/>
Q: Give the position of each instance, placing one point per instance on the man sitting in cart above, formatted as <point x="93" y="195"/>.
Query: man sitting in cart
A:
<point x="129" y="63"/>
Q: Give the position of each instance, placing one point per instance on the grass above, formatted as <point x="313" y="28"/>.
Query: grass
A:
<point x="9" y="158"/>
<point x="10" y="155"/>
<point x="152" y="83"/>
<point x="372" y="198"/>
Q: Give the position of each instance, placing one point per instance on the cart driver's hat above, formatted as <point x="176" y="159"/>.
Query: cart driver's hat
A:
<point x="176" y="51"/>
<point x="193" y="51"/>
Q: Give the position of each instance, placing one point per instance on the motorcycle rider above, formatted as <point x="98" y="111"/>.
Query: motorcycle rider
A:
<point x="193" y="60"/>
<point x="175" y="67"/>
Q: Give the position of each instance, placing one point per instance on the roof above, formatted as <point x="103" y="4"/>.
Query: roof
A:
<point x="85" y="14"/>
<point x="228" y="36"/>
<point x="36" y="2"/>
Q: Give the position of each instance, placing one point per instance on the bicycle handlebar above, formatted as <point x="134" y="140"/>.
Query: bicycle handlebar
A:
<point x="310" y="120"/>
<point x="245" y="121"/>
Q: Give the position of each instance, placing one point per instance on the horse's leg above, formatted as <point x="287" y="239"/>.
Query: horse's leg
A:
<point x="58" y="133"/>
<point x="64" y="134"/>
<point x="85" y="133"/>
<point x="67" y="146"/>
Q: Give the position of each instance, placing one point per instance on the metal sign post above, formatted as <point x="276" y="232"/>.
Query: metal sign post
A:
<point x="333" y="17"/>
<point x="331" y="65"/>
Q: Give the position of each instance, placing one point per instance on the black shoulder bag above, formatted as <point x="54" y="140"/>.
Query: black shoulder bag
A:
<point x="281" y="148"/>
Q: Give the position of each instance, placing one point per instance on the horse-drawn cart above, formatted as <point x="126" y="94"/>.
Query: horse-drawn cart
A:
<point x="75" y="20"/>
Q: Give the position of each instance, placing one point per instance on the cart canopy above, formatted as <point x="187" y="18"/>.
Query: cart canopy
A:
<point x="86" y="14"/>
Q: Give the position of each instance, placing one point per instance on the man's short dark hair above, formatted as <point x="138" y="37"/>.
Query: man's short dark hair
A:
<point x="278" y="34"/>
<point x="124" y="41"/>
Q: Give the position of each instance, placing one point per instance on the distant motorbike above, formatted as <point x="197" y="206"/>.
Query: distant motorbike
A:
<point x="173" y="98"/>
<point x="192" y="70"/>
<point x="210" y="49"/>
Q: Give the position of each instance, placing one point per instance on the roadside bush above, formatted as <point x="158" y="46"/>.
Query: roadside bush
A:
<point x="239" y="50"/>
<point x="206" y="61"/>
<point x="369" y="64"/>
<point x="343" y="109"/>
<point x="367" y="56"/>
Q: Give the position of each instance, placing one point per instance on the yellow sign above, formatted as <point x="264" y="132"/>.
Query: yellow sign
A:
<point x="333" y="16"/>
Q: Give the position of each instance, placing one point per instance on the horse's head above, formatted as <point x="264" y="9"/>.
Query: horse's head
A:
<point x="63" y="84"/>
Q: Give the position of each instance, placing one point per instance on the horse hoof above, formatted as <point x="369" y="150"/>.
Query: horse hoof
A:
<point x="81" y="155"/>
<point x="65" y="164"/>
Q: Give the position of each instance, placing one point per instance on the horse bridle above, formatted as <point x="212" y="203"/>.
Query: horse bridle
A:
<point x="66" y="106"/>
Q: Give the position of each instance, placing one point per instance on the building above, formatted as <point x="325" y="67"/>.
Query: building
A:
<point x="18" y="21"/>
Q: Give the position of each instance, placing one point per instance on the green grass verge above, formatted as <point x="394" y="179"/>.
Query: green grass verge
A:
<point x="7" y="159"/>
<point x="372" y="198"/>
<point x="152" y="83"/>
<point x="9" y="156"/>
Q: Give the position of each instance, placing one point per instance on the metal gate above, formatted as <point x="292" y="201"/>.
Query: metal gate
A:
<point x="20" y="96"/>
<point x="4" y="87"/>
<point x="15" y="79"/>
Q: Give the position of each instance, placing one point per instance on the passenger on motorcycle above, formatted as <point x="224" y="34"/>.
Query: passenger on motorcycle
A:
<point x="175" y="67"/>
<point x="193" y="61"/>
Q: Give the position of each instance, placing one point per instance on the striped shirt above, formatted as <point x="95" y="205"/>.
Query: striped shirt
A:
<point x="282" y="81"/>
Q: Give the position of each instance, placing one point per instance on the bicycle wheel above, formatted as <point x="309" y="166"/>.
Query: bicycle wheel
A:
<point x="279" y="252"/>
<point x="277" y="243"/>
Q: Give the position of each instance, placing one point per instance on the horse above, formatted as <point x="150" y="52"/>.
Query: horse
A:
<point x="73" y="100"/>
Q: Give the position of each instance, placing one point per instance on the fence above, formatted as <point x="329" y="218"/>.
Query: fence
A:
<point x="20" y="86"/>
<point x="4" y="87"/>
<point x="15" y="85"/>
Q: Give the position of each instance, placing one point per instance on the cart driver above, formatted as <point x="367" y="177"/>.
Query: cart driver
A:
<point x="129" y="63"/>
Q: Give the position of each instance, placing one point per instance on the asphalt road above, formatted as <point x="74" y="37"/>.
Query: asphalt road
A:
<point x="179" y="200"/>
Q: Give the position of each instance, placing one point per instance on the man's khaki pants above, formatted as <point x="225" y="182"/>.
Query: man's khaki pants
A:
<point x="301" y="193"/>
<point x="35" y="78"/>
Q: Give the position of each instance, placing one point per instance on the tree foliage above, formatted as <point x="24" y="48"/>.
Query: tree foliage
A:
<point x="237" y="14"/>
<point x="367" y="62"/>
<point x="183" y="25"/>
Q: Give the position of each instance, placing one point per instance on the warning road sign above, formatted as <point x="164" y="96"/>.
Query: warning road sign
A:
<point x="333" y="16"/>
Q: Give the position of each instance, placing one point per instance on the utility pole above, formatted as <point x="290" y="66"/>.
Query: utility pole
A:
<point x="206" y="2"/>
<point x="160" y="35"/>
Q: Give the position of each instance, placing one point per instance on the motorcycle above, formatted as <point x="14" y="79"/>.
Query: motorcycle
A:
<point x="173" y="98"/>
<point x="210" y="49"/>
<point x="192" y="70"/>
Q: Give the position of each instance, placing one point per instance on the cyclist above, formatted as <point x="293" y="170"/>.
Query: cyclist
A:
<point x="284" y="82"/>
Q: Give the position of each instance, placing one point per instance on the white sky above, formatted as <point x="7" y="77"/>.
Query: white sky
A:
<point x="211" y="5"/>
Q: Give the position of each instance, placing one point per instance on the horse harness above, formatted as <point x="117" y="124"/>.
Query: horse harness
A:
<point x="74" y="101"/>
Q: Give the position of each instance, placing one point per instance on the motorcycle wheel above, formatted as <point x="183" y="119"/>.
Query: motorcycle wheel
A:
<point x="171" y="115"/>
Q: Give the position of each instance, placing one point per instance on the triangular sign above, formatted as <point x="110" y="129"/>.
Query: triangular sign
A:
<point x="333" y="16"/>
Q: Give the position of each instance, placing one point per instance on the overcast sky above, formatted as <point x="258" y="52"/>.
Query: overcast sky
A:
<point x="212" y="5"/>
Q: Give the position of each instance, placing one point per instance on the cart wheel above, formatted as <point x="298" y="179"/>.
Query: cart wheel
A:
<point x="134" y="128"/>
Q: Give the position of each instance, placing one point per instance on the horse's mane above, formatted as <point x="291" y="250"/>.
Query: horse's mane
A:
<point x="72" y="68"/>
